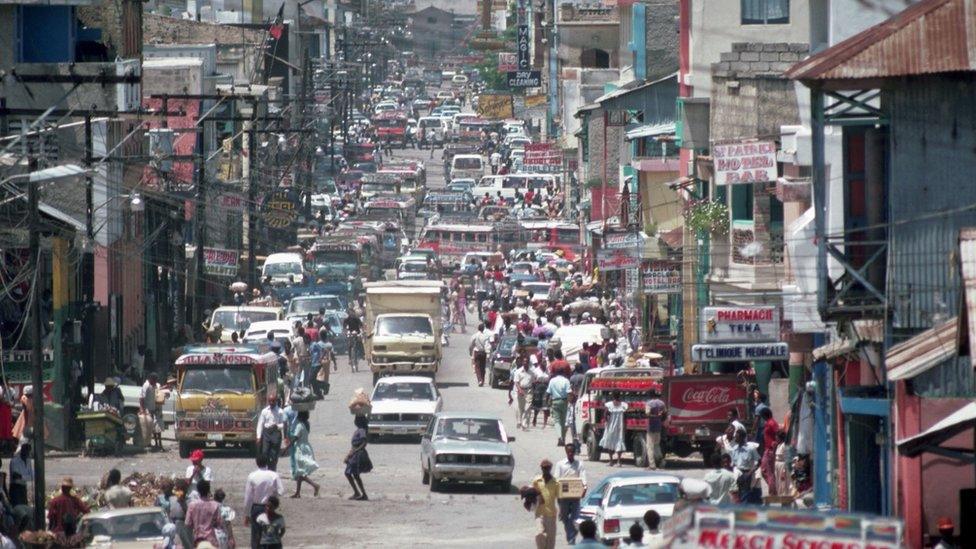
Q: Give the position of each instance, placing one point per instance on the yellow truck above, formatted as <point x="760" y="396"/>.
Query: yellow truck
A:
<point x="403" y="327"/>
<point x="221" y="390"/>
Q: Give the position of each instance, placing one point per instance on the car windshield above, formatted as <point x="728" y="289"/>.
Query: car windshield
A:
<point x="403" y="391"/>
<point x="277" y="269"/>
<point x="313" y="304"/>
<point x="335" y="323"/>
<point x="127" y="527"/>
<point x="414" y="267"/>
<point x="217" y="379"/>
<point x="241" y="320"/>
<point x="404" y="325"/>
<point x="470" y="429"/>
<point x="467" y="163"/>
<point x="643" y="494"/>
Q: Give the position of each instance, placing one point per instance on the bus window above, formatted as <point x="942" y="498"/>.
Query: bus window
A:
<point x="567" y="236"/>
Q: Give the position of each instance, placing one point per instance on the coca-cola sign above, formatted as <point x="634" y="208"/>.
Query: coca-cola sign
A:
<point x="710" y="395"/>
<point x="704" y="398"/>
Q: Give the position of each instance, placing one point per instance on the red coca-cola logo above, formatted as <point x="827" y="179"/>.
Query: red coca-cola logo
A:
<point x="708" y="395"/>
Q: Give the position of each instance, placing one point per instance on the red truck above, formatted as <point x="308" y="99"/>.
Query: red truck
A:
<point x="391" y="126"/>
<point x="698" y="407"/>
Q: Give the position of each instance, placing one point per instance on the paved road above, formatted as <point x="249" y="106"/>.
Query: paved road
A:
<point x="401" y="512"/>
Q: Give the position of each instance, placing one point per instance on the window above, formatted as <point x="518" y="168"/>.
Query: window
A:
<point x="741" y="202"/>
<point x="765" y="12"/>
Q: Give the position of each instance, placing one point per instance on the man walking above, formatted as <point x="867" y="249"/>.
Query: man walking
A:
<point x="270" y="432"/>
<point x="522" y="380"/>
<point x="720" y="478"/>
<point x="558" y="392"/>
<point x="745" y="459"/>
<point x="479" y="352"/>
<point x="148" y="405"/>
<point x="569" y="508"/>
<point x="261" y="484"/>
<point x="545" y="510"/>
<point x="656" y="410"/>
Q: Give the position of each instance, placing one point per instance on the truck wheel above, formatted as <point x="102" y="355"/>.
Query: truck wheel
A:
<point x="376" y="377"/>
<point x="593" y="450"/>
<point x="493" y="380"/>
<point x="424" y="477"/>
<point x="185" y="449"/>
<point x="639" y="448"/>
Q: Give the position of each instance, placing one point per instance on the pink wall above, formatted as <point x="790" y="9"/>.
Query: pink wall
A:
<point x="119" y="270"/>
<point x="921" y="508"/>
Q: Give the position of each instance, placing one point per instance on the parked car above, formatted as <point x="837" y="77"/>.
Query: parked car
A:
<point x="503" y="357"/>
<point x="130" y="411"/>
<point x="403" y="405"/>
<point x="466" y="447"/>
<point x="461" y="185"/>
<point x="625" y="501"/>
<point x="126" y="527"/>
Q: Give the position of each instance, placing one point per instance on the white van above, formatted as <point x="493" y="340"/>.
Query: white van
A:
<point x="467" y="165"/>
<point x="284" y="268"/>
<point x="459" y="80"/>
<point x="508" y="184"/>
<point x="434" y="128"/>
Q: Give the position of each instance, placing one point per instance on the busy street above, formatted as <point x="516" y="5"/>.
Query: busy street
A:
<point x="487" y="273"/>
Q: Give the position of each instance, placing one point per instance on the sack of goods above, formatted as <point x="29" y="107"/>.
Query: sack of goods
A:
<point x="359" y="405"/>
<point x="147" y="424"/>
<point x="302" y="398"/>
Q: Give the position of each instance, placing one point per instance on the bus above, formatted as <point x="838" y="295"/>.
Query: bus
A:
<point x="391" y="126"/>
<point x="552" y="235"/>
<point x="521" y="182"/>
<point x="452" y="239"/>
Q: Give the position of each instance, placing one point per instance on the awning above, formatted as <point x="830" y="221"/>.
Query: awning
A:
<point x="834" y="349"/>
<point x="930" y="439"/>
<point x="650" y="130"/>
<point x="923" y="352"/>
<point x="63" y="217"/>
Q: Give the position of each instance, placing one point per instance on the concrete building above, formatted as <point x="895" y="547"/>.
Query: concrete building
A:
<point x="436" y="31"/>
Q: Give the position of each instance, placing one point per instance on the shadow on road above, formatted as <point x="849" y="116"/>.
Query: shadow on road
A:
<point x="449" y="384"/>
<point x="472" y="488"/>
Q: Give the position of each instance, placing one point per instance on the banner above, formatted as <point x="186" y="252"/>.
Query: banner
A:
<point x="495" y="106"/>
<point x="662" y="277"/>
<point x="507" y="61"/>
<point x="744" y="162"/>
<point x="616" y="260"/>
<point x="522" y="42"/>
<point x="524" y="79"/>
<point x="220" y="262"/>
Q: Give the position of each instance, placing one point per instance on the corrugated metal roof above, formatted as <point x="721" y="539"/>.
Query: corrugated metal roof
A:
<point x="967" y="259"/>
<point x="650" y="130"/>
<point x="923" y="352"/>
<point x="932" y="36"/>
<point x="834" y="349"/>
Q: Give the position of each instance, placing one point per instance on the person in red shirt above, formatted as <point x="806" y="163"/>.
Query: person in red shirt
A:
<point x="65" y="505"/>
<point x="768" y="463"/>
<point x="559" y="365"/>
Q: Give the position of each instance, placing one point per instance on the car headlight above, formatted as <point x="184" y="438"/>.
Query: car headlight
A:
<point x="500" y="460"/>
<point x="446" y="458"/>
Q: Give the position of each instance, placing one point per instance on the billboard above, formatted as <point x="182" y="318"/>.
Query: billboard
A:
<point x="495" y="106"/>
<point x="524" y="79"/>
<point x="744" y="162"/>
<point x="220" y="262"/>
<point x="740" y="324"/>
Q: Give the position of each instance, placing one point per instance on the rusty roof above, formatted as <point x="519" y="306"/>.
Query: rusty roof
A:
<point x="932" y="36"/>
<point x="923" y="352"/>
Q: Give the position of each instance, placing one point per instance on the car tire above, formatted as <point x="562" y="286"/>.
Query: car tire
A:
<point x="493" y="379"/>
<point x="435" y="485"/>
<point x="424" y="476"/>
<point x="185" y="449"/>
<point x="505" y="486"/>
<point x="593" y="450"/>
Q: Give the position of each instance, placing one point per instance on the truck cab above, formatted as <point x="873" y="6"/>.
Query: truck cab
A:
<point x="403" y="327"/>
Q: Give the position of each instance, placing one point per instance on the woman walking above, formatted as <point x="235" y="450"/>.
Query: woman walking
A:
<point x="302" y="458"/>
<point x="540" y="384"/>
<point x="357" y="460"/>
<point x="613" y="434"/>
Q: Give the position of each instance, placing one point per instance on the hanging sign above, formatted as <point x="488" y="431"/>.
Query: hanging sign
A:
<point x="522" y="42"/>
<point x="616" y="260"/>
<point x="745" y="162"/>
<point x="507" y="61"/>
<point x="219" y="262"/>
<point x="524" y="79"/>
<point x="623" y="241"/>
<point x="737" y="324"/>
<point x="662" y="277"/>
<point x="740" y="352"/>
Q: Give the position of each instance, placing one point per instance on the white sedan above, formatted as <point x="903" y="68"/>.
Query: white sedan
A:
<point x="403" y="405"/>
<point x="625" y="500"/>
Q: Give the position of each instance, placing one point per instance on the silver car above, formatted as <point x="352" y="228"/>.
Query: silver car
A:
<point x="403" y="405"/>
<point x="466" y="447"/>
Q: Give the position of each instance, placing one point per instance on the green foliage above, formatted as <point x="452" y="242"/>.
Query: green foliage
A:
<point x="494" y="80"/>
<point x="707" y="215"/>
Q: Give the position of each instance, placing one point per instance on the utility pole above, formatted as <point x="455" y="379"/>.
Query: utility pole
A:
<point x="251" y="194"/>
<point x="37" y="373"/>
<point x="88" y="261"/>
<point x="200" y="211"/>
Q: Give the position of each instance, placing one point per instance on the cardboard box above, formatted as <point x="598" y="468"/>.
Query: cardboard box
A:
<point x="570" y="488"/>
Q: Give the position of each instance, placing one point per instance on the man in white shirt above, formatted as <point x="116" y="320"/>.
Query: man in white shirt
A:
<point x="21" y="474"/>
<point x="720" y="478"/>
<point x="147" y="404"/>
<point x="495" y="160"/>
<point x="480" y="342"/>
<point x="569" y="508"/>
<point x="522" y="380"/>
<point x="271" y="432"/>
<point x="197" y="471"/>
<point x="261" y="484"/>
<point x="733" y="417"/>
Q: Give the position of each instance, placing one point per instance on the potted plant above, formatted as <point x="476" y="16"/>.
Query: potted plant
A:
<point x="707" y="215"/>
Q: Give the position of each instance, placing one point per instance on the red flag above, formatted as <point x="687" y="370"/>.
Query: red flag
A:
<point x="277" y="26"/>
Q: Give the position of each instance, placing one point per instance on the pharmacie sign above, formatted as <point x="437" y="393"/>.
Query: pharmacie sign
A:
<point x="739" y="324"/>
<point x="740" y="352"/>
<point x="744" y="162"/>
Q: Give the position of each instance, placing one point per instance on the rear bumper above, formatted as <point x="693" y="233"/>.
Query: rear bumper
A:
<point x="235" y="437"/>
<point x="403" y="367"/>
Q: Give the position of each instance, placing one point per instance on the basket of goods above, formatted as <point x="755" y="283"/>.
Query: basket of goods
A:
<point x="359" y="405"/>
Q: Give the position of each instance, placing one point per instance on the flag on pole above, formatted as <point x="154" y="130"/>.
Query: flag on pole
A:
<point x="277" y="26"/>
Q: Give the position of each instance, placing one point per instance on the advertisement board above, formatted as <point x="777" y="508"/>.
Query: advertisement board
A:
<point x="280" y="210"/>
<point x="495" y="106"/>
<point x="507" y="61"/>
<point x="631" y="240"/>
<point x="220" y="262"/>
<point x="744" y="162"/>
<point x="661" y="277"/>
<point x="17" y="368"/>
<point x="617" y="260"/>
<point x="524" y="79"/>
<point x="739" y="324"/>
<point x="703" y="398"/>
<point x="535" y="100"/>
<point x="522" y="47"/>
<point x="740" y="352"/>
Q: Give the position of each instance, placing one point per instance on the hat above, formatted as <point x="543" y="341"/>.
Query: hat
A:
<point x="67" y="481"/>
<point x="945" y="523"/>
<point x="196" y="456"/>
<point x="545" y="463"/>
<point x="110" y="382"/>
<point x="29" y="390"/>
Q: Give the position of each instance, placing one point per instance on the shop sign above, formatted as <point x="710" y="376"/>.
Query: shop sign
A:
<point x="713" y="537"/>
<point x="737" y="324"/>
<point x="280" y="210"/>
<point x="535" y="100"/>
<point x="507" y="61"/>
<point x="524" y="79"/>
<point x="231" y="201"/>
<point x="740" y="352"/>
<point x="495" y="106"/>
<point x="17" y="368"/>
<point x="220" y="262"/>
<point x="744" y="162"/>
<point x="623" y="241"/>
<point x="662" y="277"/>
<point x="616" y="260"/>
<point x="522" y="41"/>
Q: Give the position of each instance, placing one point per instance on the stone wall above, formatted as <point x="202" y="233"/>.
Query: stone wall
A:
<point x="167" y="30"/>
<point x="661" y="38"/>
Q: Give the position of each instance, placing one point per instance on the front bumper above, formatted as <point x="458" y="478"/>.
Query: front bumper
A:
<point x="413" y="428"/>
<point x="230" y="437"/>
<point x="471" y="472"/>
<point x="405" y="366"/>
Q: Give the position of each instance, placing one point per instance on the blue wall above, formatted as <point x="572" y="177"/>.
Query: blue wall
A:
<point x="638" y="40"/>
<point x="46" y="34"/>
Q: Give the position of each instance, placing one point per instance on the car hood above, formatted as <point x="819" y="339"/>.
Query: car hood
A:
<point x="404" y="406"/>
<point x="445" y="446"/>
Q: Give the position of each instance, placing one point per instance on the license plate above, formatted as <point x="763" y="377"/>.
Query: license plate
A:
<point x="215" y="436"/>
<point x="399" y="429"/>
